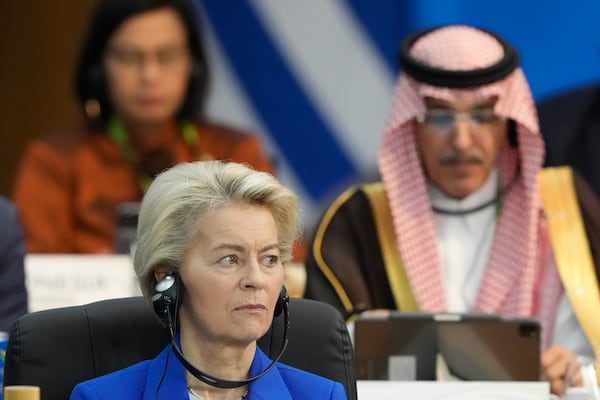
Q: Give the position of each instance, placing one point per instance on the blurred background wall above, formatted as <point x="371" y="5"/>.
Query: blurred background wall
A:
<point x="38" y="43"/>
<point x="313" y="78"/>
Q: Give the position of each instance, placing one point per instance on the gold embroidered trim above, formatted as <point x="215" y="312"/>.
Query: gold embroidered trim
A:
<point x="318" y="242"/>
<point x="401" y="289"/>
<point x="571" y="249"/>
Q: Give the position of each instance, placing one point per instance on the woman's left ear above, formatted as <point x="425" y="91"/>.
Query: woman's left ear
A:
<point x="161" y="271"/>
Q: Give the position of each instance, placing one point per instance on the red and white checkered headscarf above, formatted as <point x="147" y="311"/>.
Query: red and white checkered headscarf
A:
<point x="517" y="268"/>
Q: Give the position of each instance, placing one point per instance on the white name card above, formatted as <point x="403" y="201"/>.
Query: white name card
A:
<point x="426" y="390"/>
<point x="65" y="280"/>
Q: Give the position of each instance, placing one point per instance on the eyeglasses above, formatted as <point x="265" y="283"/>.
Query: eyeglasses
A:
<point x="167" y="58"/>
<point x="444" y="120"/>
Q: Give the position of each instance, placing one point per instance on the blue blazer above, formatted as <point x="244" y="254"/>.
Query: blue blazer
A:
<point x="141" y="381"/>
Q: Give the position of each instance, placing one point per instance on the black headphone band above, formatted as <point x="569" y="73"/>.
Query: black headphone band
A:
<point x="166" y="303"/>
<point x="223" y="383"/>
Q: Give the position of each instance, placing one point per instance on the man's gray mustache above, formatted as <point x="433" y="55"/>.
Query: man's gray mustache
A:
<point x="451" y="158"/>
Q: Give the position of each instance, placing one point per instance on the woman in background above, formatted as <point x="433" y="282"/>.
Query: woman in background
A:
<point x="141" y="82"/>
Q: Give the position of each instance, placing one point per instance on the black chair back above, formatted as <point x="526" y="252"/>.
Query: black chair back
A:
<point x="58" y="348"/>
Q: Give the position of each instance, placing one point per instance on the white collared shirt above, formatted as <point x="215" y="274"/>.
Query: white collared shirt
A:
<point x="464" y="243"/>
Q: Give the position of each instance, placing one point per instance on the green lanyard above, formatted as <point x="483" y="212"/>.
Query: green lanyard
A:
<point x="116" y="131"/>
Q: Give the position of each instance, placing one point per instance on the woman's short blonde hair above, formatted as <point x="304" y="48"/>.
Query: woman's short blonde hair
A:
<point x="180" y="196"/>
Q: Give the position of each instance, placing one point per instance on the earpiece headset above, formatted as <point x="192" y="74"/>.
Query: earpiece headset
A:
<point x="166" y="302"/>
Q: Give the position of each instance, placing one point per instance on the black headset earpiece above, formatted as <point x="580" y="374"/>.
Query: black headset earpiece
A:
<point x="282" y="302"/>
<point x="167" y="297"/>
<point x="166" y="302"/>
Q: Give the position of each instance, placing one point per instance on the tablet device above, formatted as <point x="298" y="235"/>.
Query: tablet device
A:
<point x="413" y="346"/>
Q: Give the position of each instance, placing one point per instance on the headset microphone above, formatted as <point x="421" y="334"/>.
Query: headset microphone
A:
<point x="166" y="302"/>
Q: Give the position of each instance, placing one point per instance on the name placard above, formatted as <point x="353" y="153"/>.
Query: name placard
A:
<point x="456" y="390"/>
<point x="65" y="280"/>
